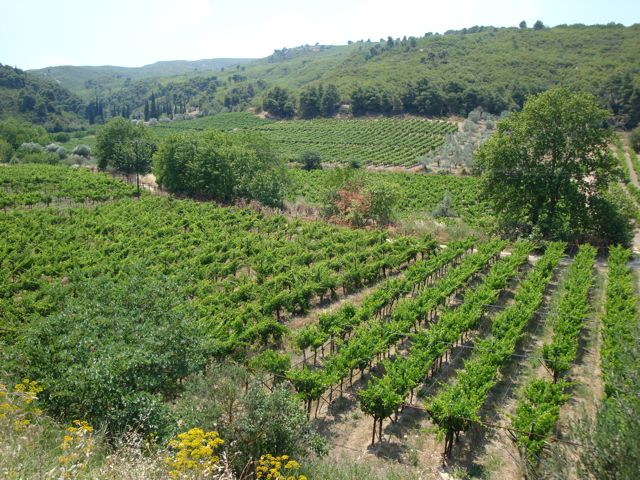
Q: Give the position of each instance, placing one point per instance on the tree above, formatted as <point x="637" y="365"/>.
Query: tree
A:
<point x="310" y="99"/>
<point x="220" y="166"/>
<point x="538" y="25"/>
<point x="118" y="130"/>
<point x="523" y="25"/>
<point x="330" y="101"/>
<point x="548" y="167"/>
<point x="279" y="102"/>
<point x="134" y="156"/>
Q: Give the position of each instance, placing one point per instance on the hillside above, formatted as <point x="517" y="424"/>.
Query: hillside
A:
<point x="84" y="80"/>
<point x="37" y="100"/>
<point x="434" y="75"/>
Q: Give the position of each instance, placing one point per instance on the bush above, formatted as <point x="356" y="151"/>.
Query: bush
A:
<point x="310" y="161"/>
<point x="115" y="352"/>
<point x="634" y="139"/>
<point x="82" y="150"/>
<point x="30" y="147"/>
<point x="221" y="166"/>
<point x="62" y="137"/>
<point x="16" y="133"/>
<point x="444" y="208"/>
<point x="252" y="420"/>
<point x="62" y="153"/>
<point x="76" y="160"/>
<point x="6" y="151"/>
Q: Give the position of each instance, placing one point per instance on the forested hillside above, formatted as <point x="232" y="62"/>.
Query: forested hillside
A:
<point x="434" y="75"/>
<point x="37" y="100"/>
<point x="85" y="79"/>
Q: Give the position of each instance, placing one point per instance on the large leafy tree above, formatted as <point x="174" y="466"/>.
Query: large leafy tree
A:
<point x="110" y="138"/>
<point x="547" y="169"/>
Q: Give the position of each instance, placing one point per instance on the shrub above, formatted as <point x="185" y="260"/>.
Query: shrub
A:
<point x="6" y="151"/>
<point x="62" y="137"/>
<point x="115" y="352"/>
<point x="310" y="161"/>
<point x="30" y="147"/>
<point x="634" y="139"/>
<point x="82" y="150"/>
<point x="444" y="208"/>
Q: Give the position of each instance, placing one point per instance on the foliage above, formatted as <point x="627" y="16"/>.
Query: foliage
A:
<point x="370" y="338"/>
<point x="634" y="139"/>
<point x="272" y="362"/>
<point x="444" y="209"/>
<point x="414" y="194"/>
<point x="6" y="151"/>
<point x="610" y="447"/>
<point x="278" y="468"/>
<point x="571" y="311"/>
<point x="32" y="184"/>
<point x="36" y="99"/>
<point x="220" y="166"/>
<point x="16" y="133"/>
<point x="82" y="150"/>
<point x="538" y="407"/>
<point x="264" y="266"/>
<point x="310" y="161"/>
<point x="384" y="141"/>
<point x="194" y="453"/>
<point x="553" y="180"/>
<point x="384" y="395"/>
<point x="111" y="136"/>
<point x="458" y="405"/>
<point x="115" y="350"/>
<point x="279" y="102"/>
<point x="357" y="205"/>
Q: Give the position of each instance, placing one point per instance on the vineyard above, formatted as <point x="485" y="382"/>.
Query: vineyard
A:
<point x="405" y="337"/>
<point x="380" y="141"/>
<point x="415" y="194"/>
<point x="221" y="121"/>
<point x="22" y="185"/>
<point x="393" y="141"/>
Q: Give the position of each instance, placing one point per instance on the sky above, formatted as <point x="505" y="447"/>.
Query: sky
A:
<point x="132" y="33"/>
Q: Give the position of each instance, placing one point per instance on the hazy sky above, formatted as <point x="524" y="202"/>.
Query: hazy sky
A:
<point x="39" y="33"/>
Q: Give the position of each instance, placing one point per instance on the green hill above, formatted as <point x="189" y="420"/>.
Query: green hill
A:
<point x="435" y="75"/>
<point x="38" y="100"/>
<point x="84" y="80"/>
